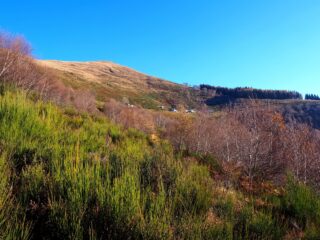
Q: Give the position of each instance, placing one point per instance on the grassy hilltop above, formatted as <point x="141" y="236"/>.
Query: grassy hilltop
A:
<point x="109" y="80"/>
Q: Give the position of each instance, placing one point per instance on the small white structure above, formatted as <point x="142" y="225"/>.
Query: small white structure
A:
<point x="190" y="111"/>
<point x="130" y="105"/>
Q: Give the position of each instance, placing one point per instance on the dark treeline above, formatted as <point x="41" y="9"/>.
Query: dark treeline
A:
<point x="312" y="97"/>
<point x="247" y="92"/>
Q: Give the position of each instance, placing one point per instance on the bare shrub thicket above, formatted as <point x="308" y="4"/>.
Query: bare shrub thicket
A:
<point x="84" y="100"/>
<point x="129" y="116"/>
<point x="13" y="51"/>
<point x="267" y="147"/>
<point x="255" y="139"/>
<point x="259" y="146"/>
<point x="303" y="143"/>
<point x="19" y="69"/>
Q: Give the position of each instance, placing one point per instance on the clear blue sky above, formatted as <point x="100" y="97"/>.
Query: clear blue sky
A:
<point x="272" y="44"/>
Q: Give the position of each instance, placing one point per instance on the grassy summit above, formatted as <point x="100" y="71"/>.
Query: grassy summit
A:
<point x="109" y="80"/>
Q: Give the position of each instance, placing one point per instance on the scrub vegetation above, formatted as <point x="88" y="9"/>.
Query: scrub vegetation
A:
<point x="71" y="169"/>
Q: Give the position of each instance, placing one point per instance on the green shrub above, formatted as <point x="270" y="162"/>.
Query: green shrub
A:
<point x="158" y="170"/>
<point x="222" y="231"/>
<point x="301" y="203"/>
<point x="13" y="224"/>
<point x="210" y="161"/>
<point x="193" y="191"/>
<point x="125" y="199"/>
<point x="262" y="226"/>
<point x="195" y="227"/>
<point x="312" y="232"/>
<point x="158" y="215"/>
<point x="251" y="224"/>
<point x="33" y="184"/>
<point x="224" y="208"/>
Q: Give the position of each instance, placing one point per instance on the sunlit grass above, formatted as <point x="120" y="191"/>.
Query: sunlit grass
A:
<point x="69" y="175"/>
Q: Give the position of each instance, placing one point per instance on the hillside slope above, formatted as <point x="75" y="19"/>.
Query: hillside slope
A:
<point x="109" y="80"/>
<point x="307" y="112"/>
<point x="67" y="175"/>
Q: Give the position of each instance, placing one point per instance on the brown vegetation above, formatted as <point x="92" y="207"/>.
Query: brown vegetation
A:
<point x="129" y="116"/>
<point x="253" y="143"/>
<point x="19" y="69"/>
<point x="109" y="80"/>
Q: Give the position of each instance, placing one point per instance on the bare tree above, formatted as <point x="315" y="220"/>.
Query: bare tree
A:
<point x="12" y="51"/>
<point x="304" y="153"/>
<point x="85" y="101"/>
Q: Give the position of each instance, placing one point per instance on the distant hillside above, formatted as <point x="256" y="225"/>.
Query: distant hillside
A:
<point x="307" y="112"/>
<point x="222" y="95"/>
<point x="300" y="111"/>
<point x="289" y="103"/>
<point x="109" y="80"/>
